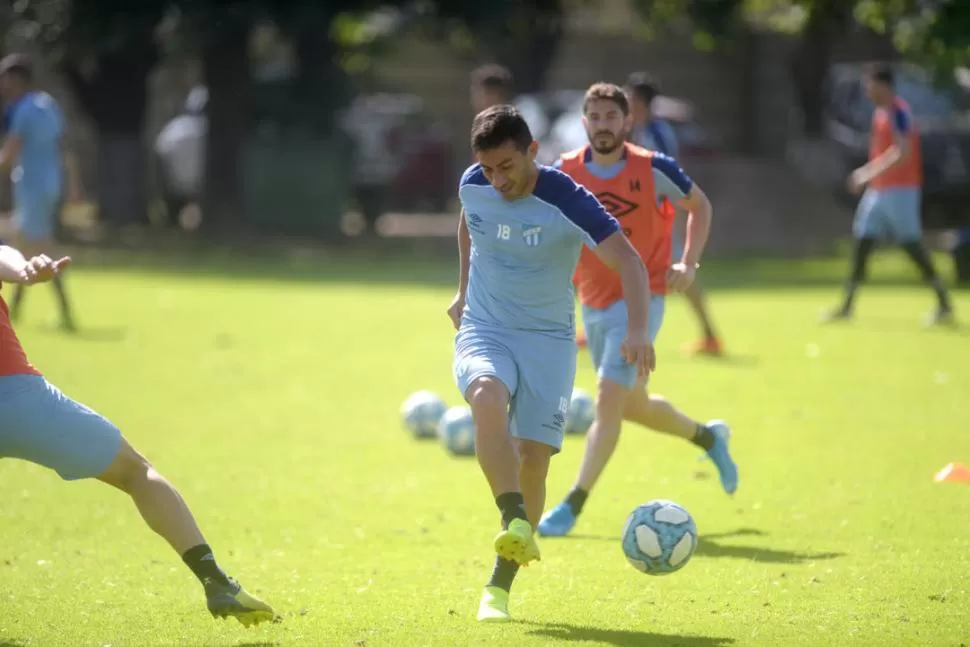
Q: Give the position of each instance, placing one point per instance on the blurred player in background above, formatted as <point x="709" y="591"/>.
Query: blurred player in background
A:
<point x="655" y="134"/>
<point x="491" y="85"/>
<point x="892" y="182"/>
<point x="35" y="154"/>
<point x="634" y="184"/>
<point x="40" y="424"/>
<point x="520" y="233"/>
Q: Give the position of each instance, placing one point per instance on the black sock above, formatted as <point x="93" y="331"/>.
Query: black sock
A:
<point x="860" y="260"/>
<point x="576" y="499"/>
<point x="918" y="254"/>
<point x="703" y="437"/>
<point x="503" y="574"/>
<point x="203" y="563"/>
<point x="67" y="318"/>
<point x="512" y="506"/>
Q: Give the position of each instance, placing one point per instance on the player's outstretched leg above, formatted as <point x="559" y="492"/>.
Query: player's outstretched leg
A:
<point x="918" y="253"/>
<point x="165" y="512"/>
<point x="860" y="260"/>
<point x="601" y="441"/>
<point x="38" y="423"/>
<point x="657" y="413"/>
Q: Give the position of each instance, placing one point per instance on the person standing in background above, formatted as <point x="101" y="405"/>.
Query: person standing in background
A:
<point x="656" y="134"/>
<point x="35" y="154"/>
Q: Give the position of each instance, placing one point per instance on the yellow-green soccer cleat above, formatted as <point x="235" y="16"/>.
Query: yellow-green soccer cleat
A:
<point x="231" y="600"/>
<point x="494" y="605"/>
<point x="518" y="543"/>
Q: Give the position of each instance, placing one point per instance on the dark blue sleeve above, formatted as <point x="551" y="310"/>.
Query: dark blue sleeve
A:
<point x="577" y="204"/>
<point x="901" y="120"/>
<point x="671" y="170"/>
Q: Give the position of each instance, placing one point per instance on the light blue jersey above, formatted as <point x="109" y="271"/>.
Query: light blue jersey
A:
<point x="518" y="324"/>
<point x="524" y="251"/>
<point x="36" y="121"/>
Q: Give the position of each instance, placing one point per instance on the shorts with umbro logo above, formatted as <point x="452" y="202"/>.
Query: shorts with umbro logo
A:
<point x="537" y="369"/>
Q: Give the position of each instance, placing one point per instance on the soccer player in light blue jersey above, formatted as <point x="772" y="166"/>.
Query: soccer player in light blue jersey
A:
<point x="33" y="152"/>
<point x="520" y="234"/>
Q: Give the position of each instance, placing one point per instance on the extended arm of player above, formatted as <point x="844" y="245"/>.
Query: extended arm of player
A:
<point x="464" y="253"/>
<point x="699" y="215"/>
<point x="620" y="256"/>
<point x="13" y="265"/>
<point x="14" y="268"/>
<point x="892" y="156"/>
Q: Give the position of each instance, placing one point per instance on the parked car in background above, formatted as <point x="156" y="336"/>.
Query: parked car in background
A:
<point x="942" y="115"/>
<point x="403" y="158"/>
<point x="556" y="122"/>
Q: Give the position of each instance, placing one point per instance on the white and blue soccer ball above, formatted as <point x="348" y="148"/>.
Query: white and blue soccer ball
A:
<point x="421" y="413"/>
<point x="659" y="537"/>
<point x="581" y="414"/>
<point x="456" y="431"/>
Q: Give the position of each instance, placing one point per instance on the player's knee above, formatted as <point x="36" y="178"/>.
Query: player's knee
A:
<point x="534" y="457"/>
<point x="611" y="397"/>
<point x="488" y="395"/>
<point x="128" y="469"/>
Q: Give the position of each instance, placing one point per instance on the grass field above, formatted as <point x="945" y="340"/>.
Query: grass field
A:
<point x="272" y="402"/>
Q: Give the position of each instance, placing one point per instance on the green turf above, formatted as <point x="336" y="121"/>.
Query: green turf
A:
<point x="273" y="405"/>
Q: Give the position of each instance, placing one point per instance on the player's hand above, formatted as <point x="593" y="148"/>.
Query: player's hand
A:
<point x="41" y="269"/>
<point x="638" y="350"/>
<point x="680" y="276"/>
<point x="456" y="309"/>
<point x="855" y="182"/>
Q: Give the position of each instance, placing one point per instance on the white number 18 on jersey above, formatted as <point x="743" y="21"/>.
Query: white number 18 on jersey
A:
<point x="504" y="232"/>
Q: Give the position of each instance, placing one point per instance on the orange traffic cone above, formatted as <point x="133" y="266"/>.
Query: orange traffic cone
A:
<point x="955" y="473"/>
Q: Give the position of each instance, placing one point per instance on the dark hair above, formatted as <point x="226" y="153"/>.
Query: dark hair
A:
<point x="607" y="92"/>
<point x="882" y="73"/>
<point x="499" y="125"/>
<point x="18" y="65"/>
<point x="493" y="78"/>
<point x="642" y="86"/>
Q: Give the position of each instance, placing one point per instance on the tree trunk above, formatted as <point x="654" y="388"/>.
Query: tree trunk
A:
<point x="226" y="70"/>
<point x="811" y="59"/>
<point x="115" y="96"/>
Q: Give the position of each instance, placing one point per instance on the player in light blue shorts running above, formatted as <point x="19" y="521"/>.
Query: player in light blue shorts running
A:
<point x="520" y="234"/>
<point x="40" y="424"/>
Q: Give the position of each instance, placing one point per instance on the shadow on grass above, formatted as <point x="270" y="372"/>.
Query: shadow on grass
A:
<point x="561" y="632"/>
<point x="711" y="545"/>
<point x="104" y="335"/>
<point x="12" y="642"/>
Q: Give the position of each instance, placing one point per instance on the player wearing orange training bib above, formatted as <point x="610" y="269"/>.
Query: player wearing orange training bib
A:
<point x="892" y="181"/>
<point x="639" y="188"/>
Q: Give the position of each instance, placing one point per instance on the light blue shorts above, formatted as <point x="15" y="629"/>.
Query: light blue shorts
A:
<point x="605" y="332"/>
<point x="889" y="214"/>
<point x="40" y="424"/>
<point x="537" y="369"/>
<point x="35" y="215"/>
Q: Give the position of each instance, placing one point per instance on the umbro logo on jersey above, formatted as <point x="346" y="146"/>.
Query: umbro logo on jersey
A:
<point x="617" y="206"/>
